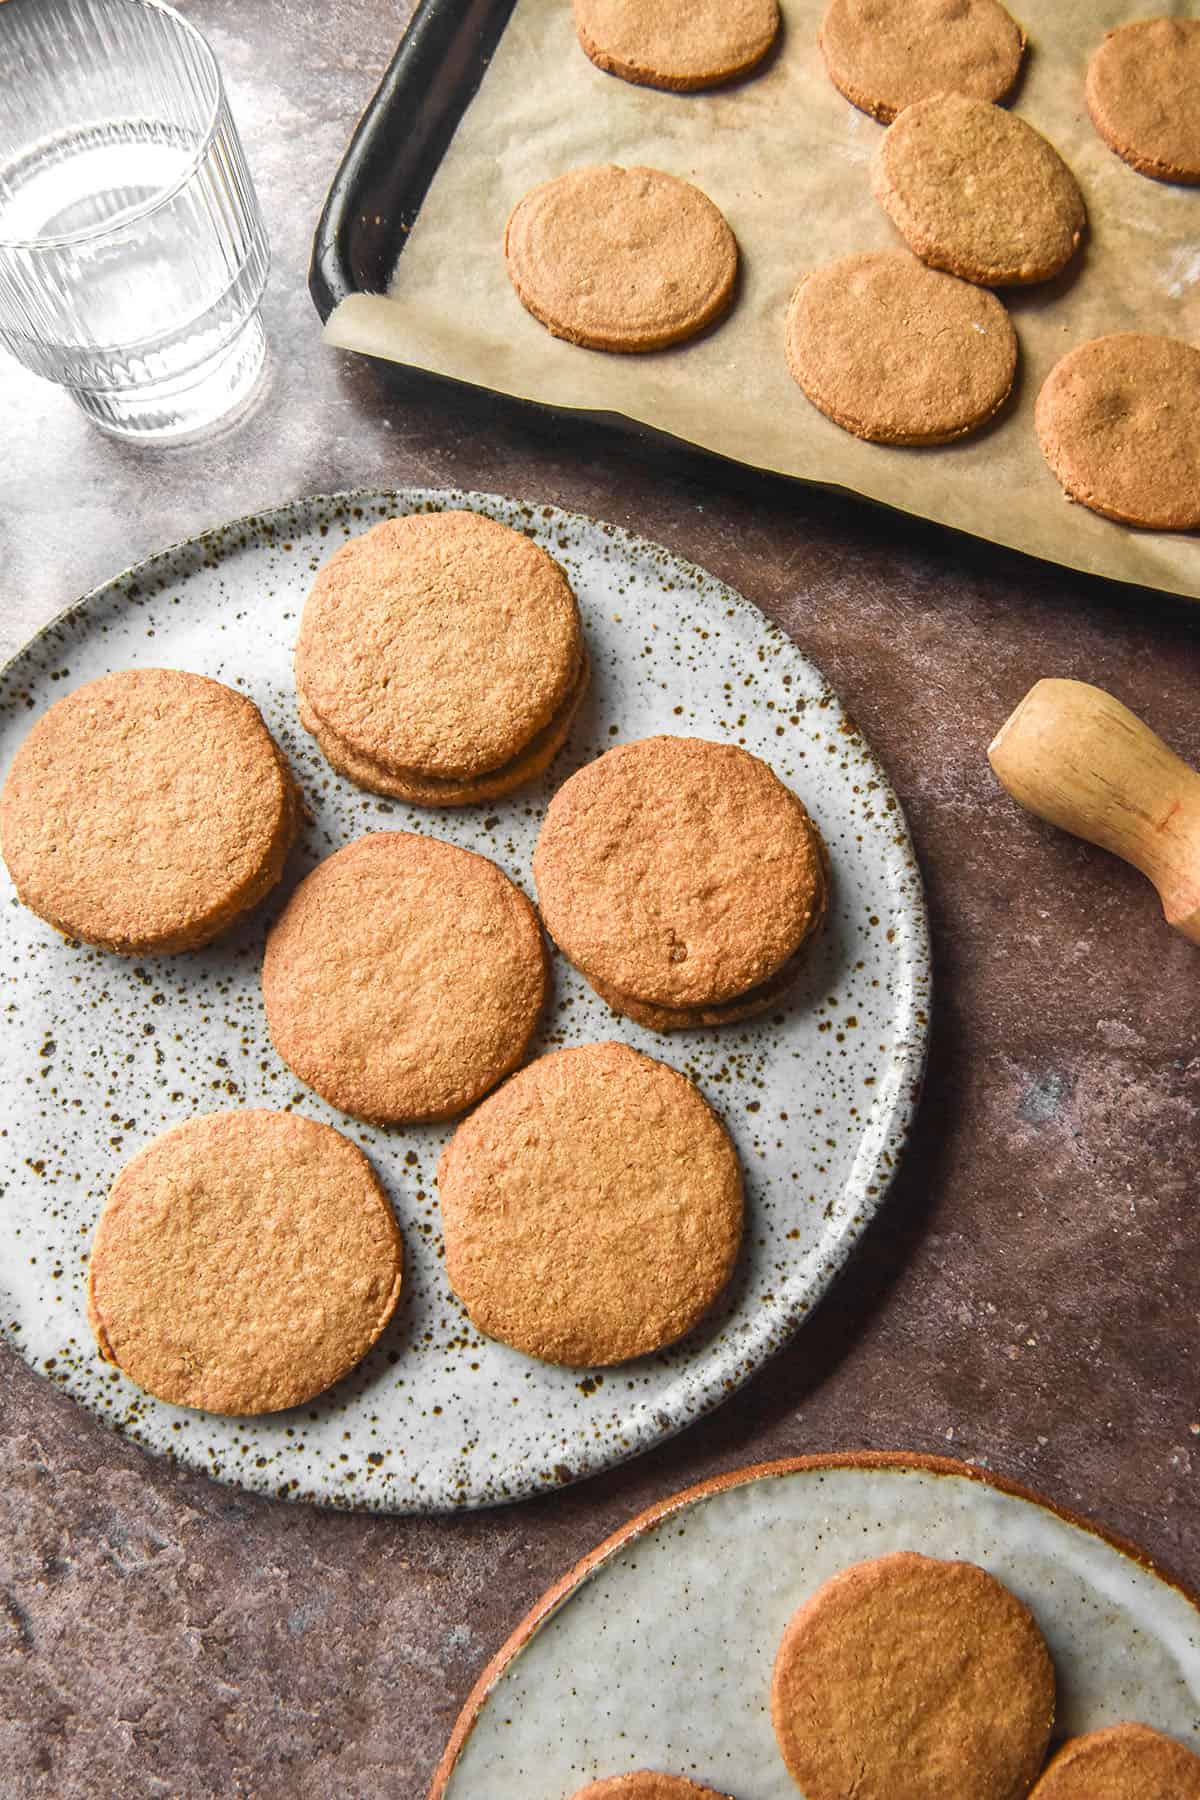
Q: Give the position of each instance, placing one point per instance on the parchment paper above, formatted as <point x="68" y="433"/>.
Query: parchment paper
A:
<point x="787" y="161"/>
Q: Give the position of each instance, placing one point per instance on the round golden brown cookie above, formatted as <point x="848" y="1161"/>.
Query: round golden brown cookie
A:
<point x="1122" y="1762"/>
<point x="678" y="871"/>
<point x="647" y="1785"/>
<point x="1118" y="420"/>
<point x="885" y="54"/>
<point x="905" y="1678"/>
<point x="620" y="259"/>
<point x="592" y="1207"/>
<point x="148" y="810"/>
<point x="898" y="353"/>
<point x="438" y="645"/>
<point x="978" y="192"/>
<point x="244" y="1262"/>
<point x="1141" y="90"/>
<point x="678" y="47"/>
<point x="429" y="790"/>
<point x="404" y="977"/>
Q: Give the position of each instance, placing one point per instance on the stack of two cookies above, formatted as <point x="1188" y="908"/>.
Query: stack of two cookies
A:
<point x="441" y="659"/>
<point x="683" y="879"/>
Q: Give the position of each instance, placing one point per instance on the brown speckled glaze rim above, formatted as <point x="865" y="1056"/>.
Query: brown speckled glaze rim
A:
<point x="563" y="1589"/>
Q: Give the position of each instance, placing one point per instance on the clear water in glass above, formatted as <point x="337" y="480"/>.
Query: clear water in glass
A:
<point x="132" y="252"/>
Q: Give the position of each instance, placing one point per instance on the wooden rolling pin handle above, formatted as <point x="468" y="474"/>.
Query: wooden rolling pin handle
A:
<point x="1078" y="758"/>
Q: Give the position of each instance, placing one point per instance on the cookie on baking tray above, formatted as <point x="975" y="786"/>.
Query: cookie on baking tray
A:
<point x="440" y="658"/>
<point x="907" y="1678"/>
<point x="620" y="259"/>
<point x="645" y="1784"/>
<point x="1121" y="1762"/>
<point x="244" y="1262"/>
<point x="898" y="353"/>
<point x="591" y="1207"/>
<point x="677" y="47"/>
<point x="147" y="811"/>
<point x="885" y="54"/>
<point x="1118" y="420"/>
<point x="681" y="877"/>
<point x="976" y="191"/>
<point x="404" y="978"/>
<point x="1141" y="92"/>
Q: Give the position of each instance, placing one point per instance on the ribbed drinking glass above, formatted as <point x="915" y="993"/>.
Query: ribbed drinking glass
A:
<point x="132" y="253"/>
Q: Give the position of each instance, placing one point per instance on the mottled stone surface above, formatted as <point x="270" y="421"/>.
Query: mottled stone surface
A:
<point x="1029" y="1296"/>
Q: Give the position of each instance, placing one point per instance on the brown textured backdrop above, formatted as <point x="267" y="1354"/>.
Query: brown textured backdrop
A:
<point x="1029" y="1296"/>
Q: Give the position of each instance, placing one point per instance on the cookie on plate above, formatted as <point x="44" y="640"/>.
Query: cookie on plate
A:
<point x="404" y="978"/>
<point x="1141" y="92"/>
<point x="1118" y="420"/>
<point x="147" y="811"/>
<point x="620" y="259"/>
<point x="645" y="1784"/>
<point x="978" y="192"/>
<point x="244" y="1262"/>
<point x="440" y="658"/>
<point x="885" y="54"/>
<point x="676" y="47"/>
<point x="897" y="353"/>
<point x="591" y="1207"/>
<point x="1121" y="1762"/>
<point x="681" y="877"/>
<point x="906" y="1678"/>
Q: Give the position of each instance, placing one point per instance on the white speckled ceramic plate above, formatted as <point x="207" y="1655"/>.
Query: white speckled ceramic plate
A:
<point x="100" y="1052"/>
<point x="656" y="1651"/>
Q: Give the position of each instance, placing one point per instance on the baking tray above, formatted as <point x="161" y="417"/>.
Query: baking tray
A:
<point x="378" y="192"/>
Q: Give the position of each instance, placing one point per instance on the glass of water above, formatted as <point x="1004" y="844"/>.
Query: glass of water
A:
<point x="132" y="254"/>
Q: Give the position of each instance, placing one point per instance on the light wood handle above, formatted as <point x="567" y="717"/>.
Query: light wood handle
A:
<point x="1078" y="758"/>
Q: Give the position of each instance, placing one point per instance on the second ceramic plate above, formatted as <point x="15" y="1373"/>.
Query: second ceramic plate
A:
<point x="101" y="1052"/>
<point x="656" y="1652"/>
